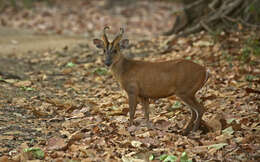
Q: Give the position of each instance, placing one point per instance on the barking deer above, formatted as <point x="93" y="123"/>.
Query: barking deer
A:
<point x="153" y="80"/>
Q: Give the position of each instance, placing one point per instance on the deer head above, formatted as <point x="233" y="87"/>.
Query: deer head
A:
<point x="111" y="49"/>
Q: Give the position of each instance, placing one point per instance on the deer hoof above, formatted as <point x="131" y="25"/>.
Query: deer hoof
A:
<point x="149" y="125"/>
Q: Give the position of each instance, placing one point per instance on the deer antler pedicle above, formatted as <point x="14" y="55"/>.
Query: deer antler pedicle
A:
<point x="104" y="37"/>
<point x="118" y="37"/>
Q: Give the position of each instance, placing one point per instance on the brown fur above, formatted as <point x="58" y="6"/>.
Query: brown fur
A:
<point x="159" y="79"/>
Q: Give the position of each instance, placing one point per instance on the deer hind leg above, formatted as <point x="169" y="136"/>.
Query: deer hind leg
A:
<point x="191" y="122"/>
<point x="145" y="104"/>
<point x="200" y="111"/>
<point x="197" y="111"/>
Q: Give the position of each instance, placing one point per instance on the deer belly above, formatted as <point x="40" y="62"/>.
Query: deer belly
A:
<point x="156" y="91"/>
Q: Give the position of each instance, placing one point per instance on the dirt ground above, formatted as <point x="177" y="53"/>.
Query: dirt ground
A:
<point x="19" y="47"/>
<point x="20" y="41"/>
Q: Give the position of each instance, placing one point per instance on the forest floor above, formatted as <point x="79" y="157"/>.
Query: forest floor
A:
<point x="59" y="102"/>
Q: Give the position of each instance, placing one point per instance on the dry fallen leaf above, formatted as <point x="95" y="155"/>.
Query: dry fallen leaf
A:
<point x="63" y="81"/>
<point x="56" y="143"/>
<point x="25" y="83"/>
<point x="136" y="143"/>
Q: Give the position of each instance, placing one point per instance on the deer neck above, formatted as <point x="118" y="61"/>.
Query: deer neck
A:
<point x="118" y="67"/>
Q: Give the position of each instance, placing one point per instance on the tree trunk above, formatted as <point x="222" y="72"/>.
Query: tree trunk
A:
<point x="208" y="14"/>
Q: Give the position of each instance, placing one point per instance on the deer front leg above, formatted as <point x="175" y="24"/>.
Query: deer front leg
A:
<point x="132" y="101"/>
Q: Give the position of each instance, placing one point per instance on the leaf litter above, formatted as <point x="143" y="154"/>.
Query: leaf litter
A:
<point x="70" y="107"/>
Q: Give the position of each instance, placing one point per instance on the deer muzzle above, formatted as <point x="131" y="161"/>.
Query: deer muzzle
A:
<point x="108" y="61"/>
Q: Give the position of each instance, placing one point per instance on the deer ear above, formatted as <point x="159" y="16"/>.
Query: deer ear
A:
<point x="98" y="43"/>
<point x="124" y="43"/>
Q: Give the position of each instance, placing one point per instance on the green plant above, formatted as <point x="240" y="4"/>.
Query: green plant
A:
<point x="27" y="88"/>
<point x="250" y="78"/>
<point x="36" y="152"/>
<point x="245" y="55"/>
<point x="176" y="105"/>
<point x="172" y="158"/>
<point x="100" y="71"/>
<point x="254" y="10"/>
<point x="215" y="35"/>
<point x="70" y="64"/>
<point x="251" y="47"/>
<point x="227" y="56"/>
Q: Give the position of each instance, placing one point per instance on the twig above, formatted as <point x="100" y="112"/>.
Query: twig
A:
<point x="248" y="24"/>
<point x="230" y="7"/>
<point x="241" y="21"/>
<point x="190" y="30"/>
<point x="232" y="150"/>
<point x="230" y="19"/>
<point x="240" y="9"/>
<point x="213" y="5"/>
<point x="205" y="26"/>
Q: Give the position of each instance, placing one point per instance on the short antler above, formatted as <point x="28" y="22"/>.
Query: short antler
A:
<point x="118" y="37"/>
<point x="105" y="36"/>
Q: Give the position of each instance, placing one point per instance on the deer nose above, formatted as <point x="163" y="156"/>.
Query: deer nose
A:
<point x="108" y="62"/>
